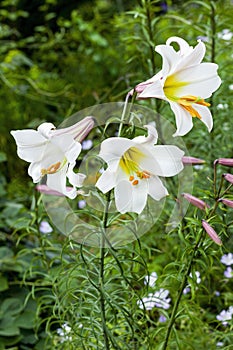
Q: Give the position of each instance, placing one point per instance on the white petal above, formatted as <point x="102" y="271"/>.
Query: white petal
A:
<point x="130" y="198"/>
<point x="163" y="161"/>
<point x="106" y="181"/>
<point x="156" y="188"/>
<point x="202" y="80"/>
<point x="194" y="58"/>
<point x="79" y="130"/>
<point x="184" y="122"/>
<point x="66" y="145"/>
<point x="75" y="179"/>
<point x="45" y="129"/>
<point x="57" y="182"/>
<point x="30" y="144"/>
<point x="170" y="58"/>
<point x="206" y="116"/>
<point x="155" y="89"/>
<point x="150" y="139"/>
<point x="184" y="46"/>
<point x="114" y="147"/>
<point x="34" y="170"/>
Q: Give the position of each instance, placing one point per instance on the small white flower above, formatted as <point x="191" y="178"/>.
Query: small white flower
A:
<point x="63" y="332"/>
<point x="227" y="259"/>
<point x="222" y="106"/>
<point x="225" y="34"/>
<point x="151" y="279"/>
<point x="82" y="203"/>
<point x="228" y="273"/>
<point x="159" y="299"/>
<point x="231" y="87"/>
<point x="225" y="316"/>
<point x="162" y="318"/>
<point x="87" y="144"/>
<point x="45" y="227"/>
<point x="220" y="343"/>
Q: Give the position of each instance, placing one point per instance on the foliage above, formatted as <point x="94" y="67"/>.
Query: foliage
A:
<point x="68" y="57"/>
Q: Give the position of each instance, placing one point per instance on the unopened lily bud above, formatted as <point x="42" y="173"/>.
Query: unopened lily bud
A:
<point x="224" y="161"/>
<point x="227" y="202"/>
<point x="46" y="190"/>
<point x="192" y="161"/>
<point x="228" y="177"/>
<point x="211" y="232"/>
<point x="195" y="201"/>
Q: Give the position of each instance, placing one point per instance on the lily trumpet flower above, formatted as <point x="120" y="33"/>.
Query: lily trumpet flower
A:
<point x="134" y="167"/>
<point x="53" y="152"/>
<point x="184" y="82"/>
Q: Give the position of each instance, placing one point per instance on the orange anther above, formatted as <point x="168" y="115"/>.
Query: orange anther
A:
<point x="131" y="178"/>
<point x="135" y="182"/>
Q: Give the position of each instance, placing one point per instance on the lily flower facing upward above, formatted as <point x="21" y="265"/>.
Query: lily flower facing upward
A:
<point x="134" y="167"/>
<point x="184" y="82"/>
<point x="53" y="153"/>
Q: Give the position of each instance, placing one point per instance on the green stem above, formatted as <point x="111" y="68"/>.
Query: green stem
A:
<point x="180" y="293"/>
<point x="101" y="275"/>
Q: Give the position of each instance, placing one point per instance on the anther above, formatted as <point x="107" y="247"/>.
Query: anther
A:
<point x="135" y="182"/>
<point x="51" y="169"/>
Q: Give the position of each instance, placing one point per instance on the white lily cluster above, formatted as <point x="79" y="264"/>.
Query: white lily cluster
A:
<point x="184" y="82"/>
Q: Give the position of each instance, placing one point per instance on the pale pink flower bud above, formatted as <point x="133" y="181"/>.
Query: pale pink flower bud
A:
<point x="192" y="161"/>
<point x="224" y="161"/>
<point x="46" y="190"/>
<point x="195" y="201"/>
<point x="228" y="177"/>
<point x="211" y="232"/>
<point x="227" y="202"/>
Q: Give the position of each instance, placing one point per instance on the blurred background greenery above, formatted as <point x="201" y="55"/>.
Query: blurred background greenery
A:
<point x="56" y="58"/>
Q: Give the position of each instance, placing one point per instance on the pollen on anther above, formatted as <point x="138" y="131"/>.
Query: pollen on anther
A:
<point x="131" y="178"/>
<point x="135" y="182"/>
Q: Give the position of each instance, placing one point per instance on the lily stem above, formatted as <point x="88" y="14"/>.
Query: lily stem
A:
<point x="101" y="275"/>
<point x="180" y="293"/>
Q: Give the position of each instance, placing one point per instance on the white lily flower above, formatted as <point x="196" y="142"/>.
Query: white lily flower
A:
<point x="184" y="82"/>
<point x="53" y="153"/>
<point x="134" y="167"/>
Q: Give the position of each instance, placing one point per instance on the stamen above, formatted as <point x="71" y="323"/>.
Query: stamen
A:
<point x="187" y="101"/>
<point x="143" y="174"/>
<point x="52" y="169"/>
<point x="131" y="178"/>
<point x="135" y="182"/>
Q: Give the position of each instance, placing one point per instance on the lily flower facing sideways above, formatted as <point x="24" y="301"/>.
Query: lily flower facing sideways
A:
<point x="184" y="82"/>
<point x="134" y="167"/>
<point x="53" y="153"/>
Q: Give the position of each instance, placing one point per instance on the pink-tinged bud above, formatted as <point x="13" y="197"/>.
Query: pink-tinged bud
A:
<point x="224" y="161"/>
<point x="192" y="161"/>
<point x="227" y="202"/>
<point x="46" y="190"/>
<point x="79" y="130"/>
<point x="195" y="201"/>
<point x="211" y="232"/>
<point x="228" y="177"/>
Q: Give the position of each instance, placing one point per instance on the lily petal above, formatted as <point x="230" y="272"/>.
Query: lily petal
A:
<point x="30" y="144"/>
<point x="154" y="89"/>
<point x="156" y="188"/>
<point x="201" y="80"/>
<point x="79" y="130"/>
<point x="106" y="181"/>
<point x="130" y="198"/>
<point x="184" y="121"/>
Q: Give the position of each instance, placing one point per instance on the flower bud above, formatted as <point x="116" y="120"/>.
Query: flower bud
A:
<point x="228" y="177"/>
<point x="195" y="201"/>
<point x="192" y="161"/>
<point x="211" y="232"/>
<point x="46" y="190"/>
<point x="227" y="202"/>
<point x="224" y="161"/>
